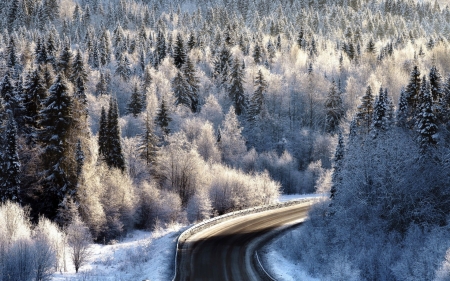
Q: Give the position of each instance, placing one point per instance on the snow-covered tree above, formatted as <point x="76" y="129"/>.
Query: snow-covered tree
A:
<point x="10" y="165"/>
<point x="236" y="88"/>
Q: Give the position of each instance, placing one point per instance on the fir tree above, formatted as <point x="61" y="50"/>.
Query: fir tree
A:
<point x="180" y="89"/>
<point x="436" y="90"/>
<point x="101" y="88"/>
<point x="34" y="93"/>
<point x="257" y="54"/>
<point x="55" y="121"/>
<point x="191" y="42"/>
<point x="179" y="53"/>
<point x="12" y="57"/>
<point x="10" y="165"/>
<point x="7" y="94"/>
<point x="257" y="101"/>
<point x="135" y="105"/>
<point x="160" y="48"/>
<point x="236" y="89"/>
<point x="380" y="112"/>
<point x="402" y="112"/>
<point x="162" y="118"/>
<point x="334" y="109"/>
<point x="370" y="48"/>
<point x="114" y="155"/>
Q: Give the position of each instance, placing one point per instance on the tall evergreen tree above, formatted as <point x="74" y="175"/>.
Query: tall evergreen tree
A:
<point x="222" y="65"/>
<point x="425" y="118"/>
<point x="412" y="92"/>
<point x="10" y="165"/>
<point x="114" y="156"/>
<point x="180" y="89"/>
<point x="380" y="112"/>
<point x="236" y="89"/>
<point x="123" y="68"/>
<point x="102" y="135"/>
<point x="402" y="112"/>
<point x="193" y="84"/>
<point x="65" y="61"/>
<point x="179" y="52"/>
<point x="257" y="101"/>
<point x="257" y="54"/>
<point x="160" y="48"/>
<point x="337" y="165"/>
<point x="334" y="109"/>
<point x="135" y="105"/>
<point x="7" y="94"/>
<point x="78" y="69"/>
<point x="149" y="142"/>
<point x="55" y="121"/>
<point x="162" y="118"/>
<point x="101" y="88"/>
<point x="364" y="115"/>
<point x="33" y="96"/>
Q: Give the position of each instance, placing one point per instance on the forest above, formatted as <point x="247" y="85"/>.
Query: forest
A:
<point x="125" y="114"/>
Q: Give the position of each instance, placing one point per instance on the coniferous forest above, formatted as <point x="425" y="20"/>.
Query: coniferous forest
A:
<point x="125" y="114"/>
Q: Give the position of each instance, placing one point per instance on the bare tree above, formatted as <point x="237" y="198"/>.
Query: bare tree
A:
<point x="79" y="239"/>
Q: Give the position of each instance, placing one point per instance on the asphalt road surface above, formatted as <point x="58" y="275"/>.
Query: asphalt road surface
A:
<point x="224" y="251"/>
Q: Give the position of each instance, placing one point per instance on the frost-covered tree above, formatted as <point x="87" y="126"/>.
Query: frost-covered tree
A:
<point x="193" y="84"/>
<point x="231" y="143"/>
<point x="162" y="118"/>
<point x="337" y="165"/>
<point x="425" y="118"/>
<point x="10" y="165"/>
<point x="257" y="101"/>
<point x="55" y="119"/>
<point x="179" y="52"/>
<point x="123" y="69"/>
<point x="236" y="88"/>
<point x="364" y="115"/>
<point x="149" y="142"/>
<point x="380" y="120"/>
<point x="114" y="155"/>
<point x="412" y="91"/>
<point x="222" y="65"/>
<point x="135" y="104"/>
<point x="334" y="109"/>
<point x="78" y="69"/>
<point x="180" y="90"/>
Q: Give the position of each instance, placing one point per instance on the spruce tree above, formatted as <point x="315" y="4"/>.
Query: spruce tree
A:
<point x="65" y="61"/>
<point x="114" y="156"/>
<point x="365" y="111"/>
<point x="10" y="165"/>
<point x="236" y="89"/>
<point x="34" y="94"/>
<point x="78" y="69"/>
<point x="55" y="121"/>
<point x="123" y="68"/>
<point x="257" y="54"/>
<point x="162" y="118"/>
<point x="193" y="84"/>
<point x="135" y="105"/>
<point x="257" y="101"/>
<point x="149" y="142"/>
<point x="180" y="90"/>
<point x="101" y="88"/>
<point x="436" y="90"/>
<point x="160" y="48"/>
<point x="402" y="112"/>
<point x="412" y="91"/>
<point x="337" y="165"/>
<point x="7" y="94"/>
<point x="380" y="112"/>
<point x="179" y="53"/>
<point x="222" y="65"/>
<point x="102" y="134"/>
<point x="425" y="118"/>
<point x="334" y="109"/>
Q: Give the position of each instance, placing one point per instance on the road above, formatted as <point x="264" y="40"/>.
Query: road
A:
<point x="224" y="251"/>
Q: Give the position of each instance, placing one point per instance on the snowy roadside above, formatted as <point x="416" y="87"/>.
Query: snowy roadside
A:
<point x="142" y="255"/>
<point x="280" y="267"/>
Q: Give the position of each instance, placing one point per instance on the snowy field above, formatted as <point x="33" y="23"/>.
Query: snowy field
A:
<point x="143" y="255"/>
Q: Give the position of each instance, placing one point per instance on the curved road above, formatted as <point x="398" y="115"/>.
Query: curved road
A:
<point x="224" y="251"/>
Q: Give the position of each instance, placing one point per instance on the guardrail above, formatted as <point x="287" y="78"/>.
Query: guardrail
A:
<point x="216" y="220"/>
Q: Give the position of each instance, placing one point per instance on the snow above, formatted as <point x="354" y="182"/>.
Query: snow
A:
<point x="280" y="267"/>
<point x="285" y="198"/>
<point x="142" y="255"/>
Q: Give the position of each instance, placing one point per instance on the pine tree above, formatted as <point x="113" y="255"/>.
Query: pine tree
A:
<point x="179" y="53"/>
<point x="40" y="52"/>
<point x="102" y="134"/>
<point x="236" y="89"/>
<point x="55" y="121"/>
<point x="12" y="57"/>
<point x="162" y="118"/>
<point x="364" y="115"/>
<point x="10" y="165"/>
<point x="149" y="142"/>
<point x="334" y="109"/>
<point x="370" y="48"/>
<point x="257" y="101"/>
<point x="135" y="105"/>
<point x="425" y="118"/>
<point x="191" y="42"/>
<point x="7" y="94"/>
<point x="402" y="112"/>
<point x="436" y="90"/>
<point x="160" y="48"/>
<point x="12" y="15"/>
<point x="193" y="84"/>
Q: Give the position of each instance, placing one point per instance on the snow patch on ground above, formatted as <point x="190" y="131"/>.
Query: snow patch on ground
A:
<point x="142" y="255"/>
